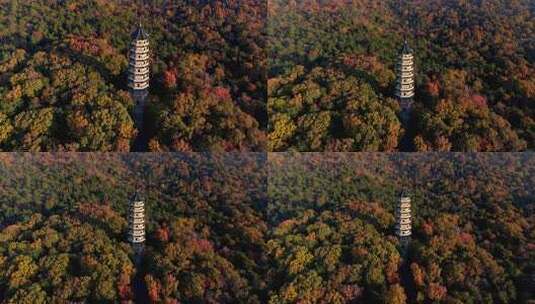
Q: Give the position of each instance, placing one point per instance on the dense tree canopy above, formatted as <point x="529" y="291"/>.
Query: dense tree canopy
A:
<point x="63" y="228"/>
<point x="63" y="75"/>
<point x="475" y="67"/>
<point x="327" y="101"/>
<point x="234" y="228"/>
<point x="333" y="238"/>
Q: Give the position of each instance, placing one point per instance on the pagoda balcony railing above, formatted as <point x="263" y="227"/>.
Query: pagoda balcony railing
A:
<point x="405" y="221"/>
<point x="136" y="210"/>
<point x="135" y="54"/>
<point x="405" y="94"/>
<point x="140" y="209"/>
<point x="137" y="239"/>
<point x="140" y="43"/>
<point x="407" y="56"/>
<point x="403" y="226"/>
<point x="139" y="64"/>
<point x="407" y="68"/>
<point x="404" y="82"/>
<point x="136" y="220"/>
<point x="138" y="78"/>
<point x="405" y="87"/>
<point x="138" y="70"/>
<point x="137" y="215"/>
<point x="404" y="233"/>
<point x="407" y="75"/>
<point x="138" y="85"/>
<point x="137" y="203"/>
<point x="406" y="63"/>
<point x="136" y="223"/>
<point x="404" y="216"/>
<point x="139" y="73"/>
<point x="138" y="226"/>
<point x="140" y="50"/>
<point x="137" y="233"/>
<point x="139" y="57"/>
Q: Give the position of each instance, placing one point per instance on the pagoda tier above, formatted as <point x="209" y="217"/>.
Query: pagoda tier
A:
<point x="404" y="210"/>
<point x="137" y="239"/>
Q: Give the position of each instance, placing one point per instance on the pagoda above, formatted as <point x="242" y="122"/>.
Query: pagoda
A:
<point x="403" y="220"/>
<point x="136" y="223"/>
<point x="405" y="80"/>
<point x="139" y="72"/>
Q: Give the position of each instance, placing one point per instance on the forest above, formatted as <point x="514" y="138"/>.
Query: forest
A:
<point x="288" y="228"/>
<point x="63" y="236"/>
<point x="333" y="237"/>
<point x="63" y="75"/>
<point x="332" y="75"/>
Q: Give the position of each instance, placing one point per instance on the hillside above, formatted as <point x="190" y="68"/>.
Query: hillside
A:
<point x="240" y="228"/>
<point x="333" y="239"/>
<point x="63" y="228"/>
<point x="63" y="75"/>
<point x="332" y="75"/>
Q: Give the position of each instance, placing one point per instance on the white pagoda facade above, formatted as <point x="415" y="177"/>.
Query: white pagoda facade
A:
<point x="139" y="61"/>
<point x="139" y="72"/>
<point x="405" y="78"/>
<point x="136" y="222"/>
<point x="404" y="219"/>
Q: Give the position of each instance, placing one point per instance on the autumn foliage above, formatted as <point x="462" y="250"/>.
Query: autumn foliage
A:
<point x="474" y="75"/>
<point x="63" y="75"/>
